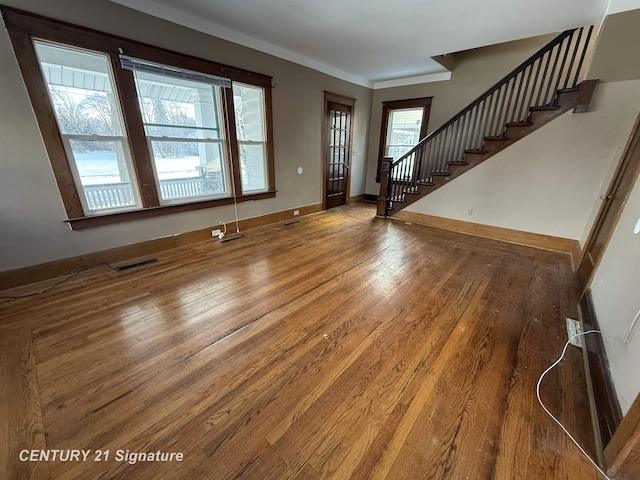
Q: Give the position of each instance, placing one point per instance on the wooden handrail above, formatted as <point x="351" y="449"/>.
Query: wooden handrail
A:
<point x="556" y="41"/>
<point x="536" y="82"/>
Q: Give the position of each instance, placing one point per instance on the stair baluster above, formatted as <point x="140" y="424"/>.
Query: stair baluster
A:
<point x="478" y="131"/>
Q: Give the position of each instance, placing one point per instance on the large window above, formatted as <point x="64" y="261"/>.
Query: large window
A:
<point x="182" y="122"/>
<point x="404" y="124"/>
<point x="134" y="131"/>
<point x="80" y="86"/>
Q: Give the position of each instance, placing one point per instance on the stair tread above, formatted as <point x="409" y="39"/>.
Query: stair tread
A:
<point x="458" y="163"/>
<point x="544" y="108"/>
<point x="518" y="124"/>
<point x="568" y="90"/>
<point x="426" y="183"/>
<point x="497" y="138"/>
<point x="480" y="152"/>
<point x="441" y="174"/>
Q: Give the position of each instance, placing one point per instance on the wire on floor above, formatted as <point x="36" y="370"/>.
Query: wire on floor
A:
<point x="60" y="282"/>
<point x="554" y="365"/>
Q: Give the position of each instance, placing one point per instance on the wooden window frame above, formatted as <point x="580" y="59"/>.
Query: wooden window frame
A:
<point x="24" y="27"/>
<point x="387" y="108"/>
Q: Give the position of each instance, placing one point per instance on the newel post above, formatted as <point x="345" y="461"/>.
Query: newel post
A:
<point x="385" y="169"/>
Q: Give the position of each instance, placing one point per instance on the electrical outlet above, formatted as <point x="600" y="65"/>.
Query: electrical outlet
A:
<point x="469" y="211"/>
<point x="573" y="328"/>
<point x="296" y="212"/>
<point x="215" y="233"/>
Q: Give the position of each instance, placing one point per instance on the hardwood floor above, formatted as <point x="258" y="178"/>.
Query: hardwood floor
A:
<point x="341" y="346"/>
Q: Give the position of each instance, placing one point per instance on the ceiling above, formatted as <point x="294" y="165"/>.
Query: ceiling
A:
<point x="373" y="41"/>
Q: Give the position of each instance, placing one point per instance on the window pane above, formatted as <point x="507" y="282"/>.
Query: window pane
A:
<point x="182" y="121"/>
<point x="404" y="131"/>
<point x="181" y="172"/>
<point x="253" y="169"/>
<point x="104" y="173"/>
<point x="248" y="104"/>
<point x="172" y="102"/>
<point x="81" y="90"/>
<point x="84" y="100"/>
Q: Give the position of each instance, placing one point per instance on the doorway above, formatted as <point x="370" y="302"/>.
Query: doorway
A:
<point x="612" y="205"/>
<point x="337" y="135"/>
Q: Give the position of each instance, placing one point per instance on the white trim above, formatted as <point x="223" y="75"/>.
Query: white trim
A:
<point x="401" y="82"/>
<point x="567" y="17"/>
<point x="185" y="19"/>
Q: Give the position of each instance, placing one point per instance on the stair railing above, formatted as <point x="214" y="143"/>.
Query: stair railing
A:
<point x="535" y="82"/>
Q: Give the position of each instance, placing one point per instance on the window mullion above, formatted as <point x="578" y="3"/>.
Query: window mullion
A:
<point x="230" y="130"/>
<point x="271" y="168"/>
<point x="141" y="158"/>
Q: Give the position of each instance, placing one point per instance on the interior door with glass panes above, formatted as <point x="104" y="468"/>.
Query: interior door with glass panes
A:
<point x="338" y="154"/>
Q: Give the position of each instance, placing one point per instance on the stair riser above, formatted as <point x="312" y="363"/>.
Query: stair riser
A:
<point x="567" y="100"/>
<point x="494" y="146"/>
<point x="517" y="132"/>
<point x="542" y="117"/>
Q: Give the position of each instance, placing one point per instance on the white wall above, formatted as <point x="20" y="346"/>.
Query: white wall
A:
<point x="616" y="297"/>
<point x="31" y="211"/>
<point x="616" y="6"/>
<point x="550" y="181"/>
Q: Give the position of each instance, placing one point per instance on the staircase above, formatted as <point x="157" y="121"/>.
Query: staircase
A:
<point x="540" y="89"/>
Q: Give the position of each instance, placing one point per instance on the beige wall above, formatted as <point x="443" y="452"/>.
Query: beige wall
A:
<point x="616" y="57"/>
<point x="31" y="211"/>
<point x="476" y="70"/>
<point x="550" y="181"/>
<point x="615" y="289"/>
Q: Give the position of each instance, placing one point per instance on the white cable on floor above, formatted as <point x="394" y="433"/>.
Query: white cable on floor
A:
<point x="633" y="324"/>
<point x="555" y="364"/>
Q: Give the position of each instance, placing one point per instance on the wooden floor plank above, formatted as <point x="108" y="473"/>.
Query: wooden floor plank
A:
<point x="341" y="346"/>
<point x="21" y="425"/>
<point x="540" y="449"/>
<point x="474" y="384"/>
